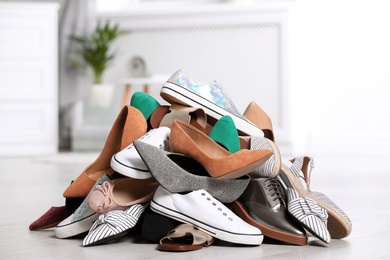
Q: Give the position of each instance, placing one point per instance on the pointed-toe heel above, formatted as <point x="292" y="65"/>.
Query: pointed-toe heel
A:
<point x="129" y="126"/>
<point x="179" y="173"/>
<point x="218" y="162"/>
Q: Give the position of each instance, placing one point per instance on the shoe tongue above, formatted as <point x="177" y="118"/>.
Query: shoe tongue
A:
<point x="225" y="133"/>
<point x="144" y="103"/>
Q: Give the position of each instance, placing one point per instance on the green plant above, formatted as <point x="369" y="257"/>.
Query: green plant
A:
<point x="94" y="49"/>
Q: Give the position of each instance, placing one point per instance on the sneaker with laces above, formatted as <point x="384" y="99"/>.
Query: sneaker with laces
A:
<point x="203" y="211"/>
<point x="212" y="98"/>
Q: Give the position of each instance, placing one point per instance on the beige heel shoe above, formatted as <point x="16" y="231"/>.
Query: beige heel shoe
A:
<point x="259" y="117"/>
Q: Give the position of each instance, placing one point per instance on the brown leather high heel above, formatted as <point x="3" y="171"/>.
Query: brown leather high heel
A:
<point x="129" y="126"/>
<point x="218" y="162"/>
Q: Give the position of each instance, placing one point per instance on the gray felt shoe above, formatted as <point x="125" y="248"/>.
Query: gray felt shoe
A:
<point x="179" y="173"/>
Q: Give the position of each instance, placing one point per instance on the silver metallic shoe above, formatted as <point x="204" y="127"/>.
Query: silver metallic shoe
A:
<point x="212" y="98"/>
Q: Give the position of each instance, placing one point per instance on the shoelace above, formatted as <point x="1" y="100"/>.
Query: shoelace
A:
<point x="276" y="190"/>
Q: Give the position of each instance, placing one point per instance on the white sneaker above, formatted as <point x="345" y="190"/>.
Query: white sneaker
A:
<point x="200" y="209"/>
<point x="128" y="162"/>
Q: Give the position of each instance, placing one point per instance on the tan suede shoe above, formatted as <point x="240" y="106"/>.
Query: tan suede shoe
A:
<point x="129" y="126"/>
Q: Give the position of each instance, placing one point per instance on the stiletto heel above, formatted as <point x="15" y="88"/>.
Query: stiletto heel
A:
<point x="218" y="162"/>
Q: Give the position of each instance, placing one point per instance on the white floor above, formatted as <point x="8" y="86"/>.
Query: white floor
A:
<point x="29" y="186"/>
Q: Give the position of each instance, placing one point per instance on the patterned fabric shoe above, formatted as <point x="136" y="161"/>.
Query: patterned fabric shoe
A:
<point x="212" y="98"/>
<point x="113" y="225"/>
<point x="298" y="173"/>
<point x="82" y="219"/>
<point x="312" y="217"/>
<point x="271" y="167"/>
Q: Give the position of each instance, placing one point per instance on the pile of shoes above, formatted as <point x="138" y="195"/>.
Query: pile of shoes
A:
<point x="191" y="173"/>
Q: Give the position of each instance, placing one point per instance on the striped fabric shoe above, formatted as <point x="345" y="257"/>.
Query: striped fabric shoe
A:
<point x="271" y="167"/>
<point x="298" y="172"/>
<point x="113" y="225"/>
<point x="312" y="217"/>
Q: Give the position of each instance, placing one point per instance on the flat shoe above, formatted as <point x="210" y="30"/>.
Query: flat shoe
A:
<point x="311" y="216"/>
<point x="119" y="194"/>
<point x="51" y="218"/>
<point x="185" y="237"/>
<point x="298" y="173"/>
<point x="113" y="225"/>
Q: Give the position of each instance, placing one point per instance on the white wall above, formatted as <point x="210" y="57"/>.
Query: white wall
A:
<point x="339" y="76"/>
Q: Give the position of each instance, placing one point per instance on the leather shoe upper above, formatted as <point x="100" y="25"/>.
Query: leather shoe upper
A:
<point x="264" y="199"/>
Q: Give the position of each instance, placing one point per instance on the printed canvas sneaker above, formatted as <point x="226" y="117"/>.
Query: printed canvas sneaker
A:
<point x="212" y="98"/>
<point x="128" y="162"/>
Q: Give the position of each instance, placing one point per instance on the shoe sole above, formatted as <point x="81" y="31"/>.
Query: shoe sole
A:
<point x="108" y="238"/>
<point x="246" y="239"/>
<point x="338" y="226"/>
<point x="129" y="171"/>
<point x="183" y="96"/>
<point x="75" y="228"/>
<point x="267" y="231"/>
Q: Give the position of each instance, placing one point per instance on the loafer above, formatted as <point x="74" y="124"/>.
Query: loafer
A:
<point x="203" y="211"/>
<point x="82" y="218"/>
<point x="212" y="98"/>
<point x="263" y="205"/>
<point x="128" y="162"/>
<point x="120" y="194"/>
<point x="179" y="173"/>
<point x="113" y="225"/>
